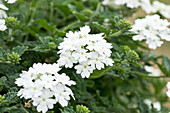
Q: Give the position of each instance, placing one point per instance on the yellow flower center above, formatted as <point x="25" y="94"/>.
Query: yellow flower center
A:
<point x="85" y="67"/>
<point x="97" y="59"/>
<point x="43" y="99"/>
<point x="34" y="88"/>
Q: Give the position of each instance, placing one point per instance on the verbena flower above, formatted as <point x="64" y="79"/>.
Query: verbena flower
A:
<point x="87" y="51"/>
<point x="3" y="7"/>
<point x="152" y="71"/>
<point x="2" y="25"/>
<point x="145" y="4"/>
<point x="45" y="86"/>
<point x="156" y="105"/>
<point x="162" y="8"/>
<point x="10" y="1"/>
<point x="152" y="29"/>
<point x="168" y="87"/>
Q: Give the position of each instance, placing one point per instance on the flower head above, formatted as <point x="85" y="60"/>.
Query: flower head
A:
<point x="87" y="51"/>
<point x="152" y="29"/>
<point x="2" y="25"/>
<point x="156" y="105"/>
<point x="42" y="84"/>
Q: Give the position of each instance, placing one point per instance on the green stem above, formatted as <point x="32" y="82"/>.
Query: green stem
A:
<point x="6" y="62"/>
<point x="23" y="108"/>
<point x="70" y="25"/>
<point x="51" y="11"/>
<point x="95" y="13"/>
<point x="33" y="13"/>
<point x="107" y="70"/>
<point x="115" y="34"/>
<point x="10" y="34"/>
<point x="148" y="76"/>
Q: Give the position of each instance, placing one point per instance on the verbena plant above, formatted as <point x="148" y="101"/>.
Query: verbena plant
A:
<point x="33" y="33"/>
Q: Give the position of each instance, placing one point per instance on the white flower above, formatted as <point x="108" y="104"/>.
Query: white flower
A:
<point x="11" y="1"/>
<point x="67" y="59"/>
<point x="84" y="69"/>
<point x="61" y="94"/>
<point x="44" y="102"/>
<point x="3" y="14"/>
<point x="3" y="7"/>
<point x="156" y="105"/>
<point x="40" y="84"/>
<point x="152" y="29"/>
<point x="87" y="51"/>
<point x="96" y="61"/>
<point x="162" y="8"/>
<point x="108" y="2"/>
<point x="152" y="71"/>
<point x="168" y="87"/>
<point x="2" y="25"/>
<point x="154" y="43"/>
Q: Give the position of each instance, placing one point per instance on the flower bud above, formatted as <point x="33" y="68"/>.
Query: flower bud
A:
<point x="82" y="109"/>
<point x="124" y="25"/>
<point x="12" y="22"/>
<point x="14" y="58"/>
<point x="52" y="45"/>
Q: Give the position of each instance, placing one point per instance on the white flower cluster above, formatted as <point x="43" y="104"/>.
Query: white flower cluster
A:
<point x="168" y="87"/>
<point x="152" y="71"/>
<point x="162" y="8"/>
<point x="144" y="4"/>
<point x="3" y="7"/>
<point x="152" y="29"/>
<point x="2" y="25"/>
<point x="87" y="51"/>
<point x="44" y="86"/>
<point x="156" y="105"/>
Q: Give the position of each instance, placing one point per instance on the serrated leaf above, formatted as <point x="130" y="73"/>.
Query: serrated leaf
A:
<point x="43" y="23"/>
<point x="19" y="49"/>
<point x="11" y="96"/>
<point x="7" y="109"/>
<point x="45" y="40"/>
<point x="68" y="110"/>
<point x="102" y="28"/>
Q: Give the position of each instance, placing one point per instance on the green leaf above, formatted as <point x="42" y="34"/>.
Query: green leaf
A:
<point x="59" y="33"/>
<point x="45" y="40"/>
<point x="43" y="23"/>
<point x="1" y="52"/>
<point x="11" y="96"/>
<point x="7" y="109"/>
<point x="68" y="110"/>
<point x="166" y="63"/>
<point x="63" y="2"/>
<point x="102" y="28"/>
<point x="80" y="16"/>
<point x="64" y="9"/>
<point x="20" y="49"/>
<point x="142" y="106"/>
